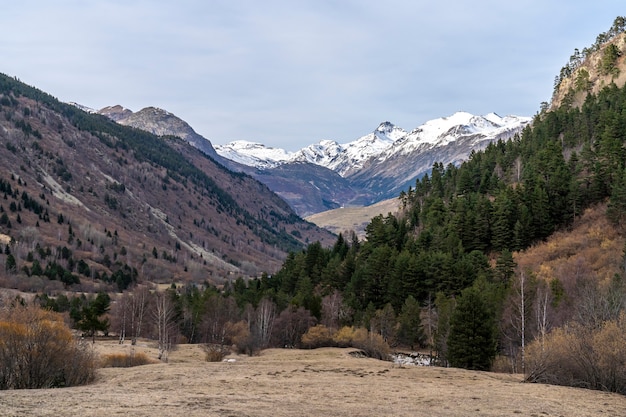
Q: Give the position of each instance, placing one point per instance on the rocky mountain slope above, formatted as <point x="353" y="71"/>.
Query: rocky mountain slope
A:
<point x="102" y="204"/>
<point x="593" y="68"/>
<point x="161" y="123"/>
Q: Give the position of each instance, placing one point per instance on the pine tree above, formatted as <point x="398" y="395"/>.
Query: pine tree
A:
<point x="616" y="209"/>
<point x="410" y="331"/>
<point x="472" y="340"/>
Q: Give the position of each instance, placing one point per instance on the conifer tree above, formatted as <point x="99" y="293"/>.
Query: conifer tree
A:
<point x="472" y="340"/>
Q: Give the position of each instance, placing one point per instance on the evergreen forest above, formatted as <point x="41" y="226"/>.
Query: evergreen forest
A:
<point x="450" y="249"/>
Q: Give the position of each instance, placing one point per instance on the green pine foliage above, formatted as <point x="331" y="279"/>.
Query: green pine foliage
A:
<point x="472" y="340"/>
<point x="456" y="219"/>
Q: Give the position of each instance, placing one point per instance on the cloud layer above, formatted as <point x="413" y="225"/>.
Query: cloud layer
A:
<point x="288" y="74"/>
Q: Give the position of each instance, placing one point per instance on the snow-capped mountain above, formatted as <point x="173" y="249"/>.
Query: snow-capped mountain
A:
<point x="446" y="130"/>
<point x="381" y="164"/>
<point x="342" y="159"/>
<point x="448" y="140"/>
<point x="384" y="142"/>
<point x="349" y="158"/>
<point x="253" y="154"/>
<point x="328" y="174"/>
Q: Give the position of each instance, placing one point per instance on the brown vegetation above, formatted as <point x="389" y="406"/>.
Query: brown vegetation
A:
<point x="125" y="360"/>
<point x="37" y="350"/>
<point x="371" y="344"/>
<point x="575" y="306"/>
<point x="353" y="218"/>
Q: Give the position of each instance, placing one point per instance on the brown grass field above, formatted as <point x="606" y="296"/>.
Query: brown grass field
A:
<point x="322" y="382"/>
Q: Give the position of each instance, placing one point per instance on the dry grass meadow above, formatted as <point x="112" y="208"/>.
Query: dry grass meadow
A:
<point x="353" y="218"/>
<point x="322" y="382"/>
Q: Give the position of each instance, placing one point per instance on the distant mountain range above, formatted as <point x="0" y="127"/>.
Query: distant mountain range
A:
<point x="379" y="165"/>
<point x="329" y="175"/>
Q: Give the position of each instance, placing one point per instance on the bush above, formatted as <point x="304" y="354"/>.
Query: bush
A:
<point x="37" y="350"/>
<point x="581" y="357"/>
<point x="125" y="360"/>
<point x="317" y="336"/>
<point x="214" y="353"/>
<point x="344" y="336"/>
<point x="372" y="344"/>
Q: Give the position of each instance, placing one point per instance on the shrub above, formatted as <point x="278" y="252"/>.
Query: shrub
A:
<point x="125" y="360"/>
<point x="317" y="336"/>
<point x="37" y="350"/>
<point x="214" y="353"/>
<point x="577" y="356"/>
<point x="344" y="336"/>
<point x="240" y="336"/>
<point x="371" y="343"/>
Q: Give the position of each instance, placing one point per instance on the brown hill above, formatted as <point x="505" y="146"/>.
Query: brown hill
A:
<point x="354" y="219"/>
<point x="93" y="199"/>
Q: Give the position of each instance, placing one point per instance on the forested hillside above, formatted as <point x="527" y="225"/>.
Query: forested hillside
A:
<point x="453" y="254"/>
<point x="92" y="205"/>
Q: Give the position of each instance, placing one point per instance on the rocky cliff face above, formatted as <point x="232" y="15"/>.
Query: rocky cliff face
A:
<point x="161" y="123"/>
<point x="590" y="70"/>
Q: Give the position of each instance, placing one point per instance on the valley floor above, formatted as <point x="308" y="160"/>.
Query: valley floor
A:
<point x="322" y="382"/>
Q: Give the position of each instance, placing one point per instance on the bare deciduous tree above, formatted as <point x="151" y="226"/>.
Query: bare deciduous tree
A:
<point x="264" y="322"/>
<point x="332" y="310"/>
<point x="138" y="307"/>
<point x="290" y="325"/>
<point x="164" y="314"/>
<point x="218" y="318"/>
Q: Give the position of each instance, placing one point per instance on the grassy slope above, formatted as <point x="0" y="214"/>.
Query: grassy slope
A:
<point x="353" y="218"/>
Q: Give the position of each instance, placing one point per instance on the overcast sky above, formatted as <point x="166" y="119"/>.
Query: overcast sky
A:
<point x="290" y="73"/>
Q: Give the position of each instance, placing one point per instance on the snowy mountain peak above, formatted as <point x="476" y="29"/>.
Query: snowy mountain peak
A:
<point x="386" y="140"/>
<point x="253" y="154"/>
<point x="385" y="127"/>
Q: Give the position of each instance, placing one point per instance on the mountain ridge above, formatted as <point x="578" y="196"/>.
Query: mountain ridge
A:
<point x="326" y="153"/>
<point x="371" y="168"/>
<point x="126" y="204"/>
<point x="382" y="163"/>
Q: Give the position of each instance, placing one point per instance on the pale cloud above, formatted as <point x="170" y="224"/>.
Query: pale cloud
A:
<point x="291" y="73"/>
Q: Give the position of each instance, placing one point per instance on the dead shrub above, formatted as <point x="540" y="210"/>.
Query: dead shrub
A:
<point x="240" y="336"/>
<point x="372" y="344"/>
<point x="214" y="353"/>
<point x="125" y="360"/>
<point x="344" y="336"/>
<point x="37" y="350"/>
<point x="503" y="364"/>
